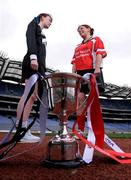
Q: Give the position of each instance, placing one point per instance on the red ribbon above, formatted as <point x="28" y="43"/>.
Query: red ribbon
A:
<point x="95" y="113"/>
<point x="98" y="126"/>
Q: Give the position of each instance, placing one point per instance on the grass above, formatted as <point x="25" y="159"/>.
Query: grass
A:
<point x="120" y="135"/>
<point x="111" y="135"/>
<point x="125" y="135"/>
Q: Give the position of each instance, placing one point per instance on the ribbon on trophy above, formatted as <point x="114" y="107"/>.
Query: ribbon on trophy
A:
<point x="96" y="137"/>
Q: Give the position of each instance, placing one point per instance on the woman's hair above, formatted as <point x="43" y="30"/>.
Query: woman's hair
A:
<point x="88" y="27"/>
<point x="44" y="15"/>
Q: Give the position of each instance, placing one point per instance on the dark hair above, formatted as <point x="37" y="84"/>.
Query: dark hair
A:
<point x="44" y="15"/>
<point x="88" y="27"/>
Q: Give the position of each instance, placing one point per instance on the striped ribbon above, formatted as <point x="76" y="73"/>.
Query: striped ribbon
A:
<point x="96" y="136"/>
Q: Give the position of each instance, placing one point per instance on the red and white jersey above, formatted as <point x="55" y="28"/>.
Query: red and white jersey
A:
<point x="85" y="54"/>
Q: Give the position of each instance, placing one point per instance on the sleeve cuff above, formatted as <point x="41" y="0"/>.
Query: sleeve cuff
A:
<point x="103" y="53"/>
<point x="33" y="56"/>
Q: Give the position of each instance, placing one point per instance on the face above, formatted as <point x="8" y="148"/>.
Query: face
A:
<point x="83" y="31"/>
<point x="46" y="22"/>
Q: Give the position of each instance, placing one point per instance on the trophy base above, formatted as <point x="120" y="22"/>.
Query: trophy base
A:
<point x="63" y="153"/>
<point x="63" y="164"/>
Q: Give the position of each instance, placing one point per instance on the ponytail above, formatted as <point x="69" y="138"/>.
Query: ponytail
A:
<point x="91" y="31"/>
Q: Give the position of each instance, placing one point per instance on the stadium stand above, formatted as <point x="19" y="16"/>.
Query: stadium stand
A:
<point x="115" y="101"/>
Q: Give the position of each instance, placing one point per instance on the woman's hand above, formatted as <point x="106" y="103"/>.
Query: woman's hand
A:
<point x="73" y="68"/>
<point x="34" y="64"/>
<point x="97" y="71"/>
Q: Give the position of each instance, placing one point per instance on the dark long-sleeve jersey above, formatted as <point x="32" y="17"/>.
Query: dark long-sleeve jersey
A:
<point x="36" y="49"/>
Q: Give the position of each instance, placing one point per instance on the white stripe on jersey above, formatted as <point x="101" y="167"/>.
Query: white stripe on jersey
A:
<point x="100" y="50"/>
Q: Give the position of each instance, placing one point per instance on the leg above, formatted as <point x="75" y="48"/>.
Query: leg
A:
<point x="27" y="109"/>
<point x="43" y="113"/>
<point x="28" y="106"/>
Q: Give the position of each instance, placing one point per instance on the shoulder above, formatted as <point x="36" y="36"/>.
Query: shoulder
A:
<point x="96" y="38"/>
<point x="78" y="45"/>
<point x="32" y="24"/>
<point x="32" y="28"/>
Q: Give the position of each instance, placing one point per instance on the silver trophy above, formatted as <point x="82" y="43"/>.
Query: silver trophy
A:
<point x="63" y="149"/>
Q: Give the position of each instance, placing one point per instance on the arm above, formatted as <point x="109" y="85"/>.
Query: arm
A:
<point x="100" y="54"/>
<point x="73" y="68"/>
<point x="73" y="64"/>
<point x="98" y="63"/>
<point x="32" y="45"/>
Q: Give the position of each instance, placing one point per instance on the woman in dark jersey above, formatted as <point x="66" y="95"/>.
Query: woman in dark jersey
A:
<point x="34" y="61"/>
<point x="87" y="58"/>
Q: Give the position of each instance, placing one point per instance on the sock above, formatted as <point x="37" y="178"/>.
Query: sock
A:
<point x="81" y="122"/>
<point x="17" y="122"/>
<point x="24" y="124"/>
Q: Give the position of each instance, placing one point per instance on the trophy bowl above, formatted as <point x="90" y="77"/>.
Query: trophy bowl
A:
<point x="63" y="149"/>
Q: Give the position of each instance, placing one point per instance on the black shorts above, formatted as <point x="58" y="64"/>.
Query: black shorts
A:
<point x="100" y="81"/>
<point x="85" y="87"/>
<point x="26" y="70"/>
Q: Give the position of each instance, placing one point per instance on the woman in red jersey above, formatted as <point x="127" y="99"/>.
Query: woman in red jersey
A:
<point x="88" y="59"/>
